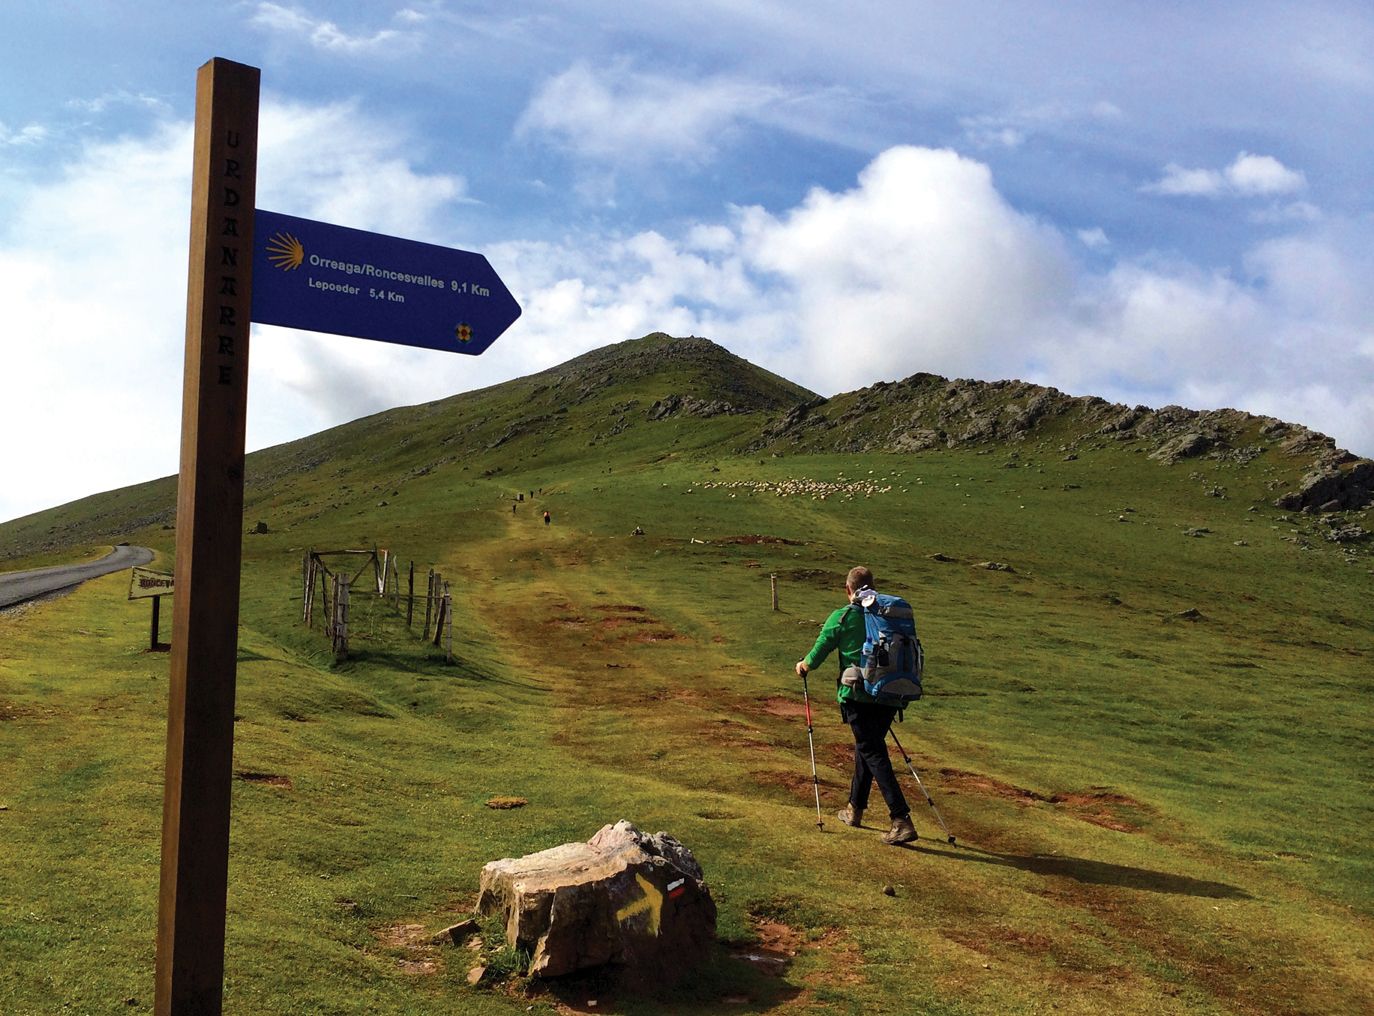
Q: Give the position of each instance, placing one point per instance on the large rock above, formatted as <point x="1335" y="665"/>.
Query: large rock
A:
<point x="623" y="898"/>
<point x="1340" y="487"/>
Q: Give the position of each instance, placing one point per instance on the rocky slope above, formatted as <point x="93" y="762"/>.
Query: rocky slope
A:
<point x="927" y="412"/>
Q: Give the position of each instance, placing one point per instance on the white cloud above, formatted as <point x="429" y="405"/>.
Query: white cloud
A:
<point x="102" y="103"/>
<point x="1248" y="176"/>
<point x="1294" y="211"/>
<point x="1094" y="239"/>
<point x="1190" y="182"/>
<point x="327" y="35"/>
<point x="29" y="134"/>
<point x="339" y="164"/>
<point x="1263" y="174"/>
<point x="618" y="114"/>
<point x="1013" y="128"/>
<point x="922" y="262"/>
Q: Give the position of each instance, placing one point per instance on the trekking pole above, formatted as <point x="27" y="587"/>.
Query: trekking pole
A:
<point x="907" y="758"/>
<point x="810" y="741"/>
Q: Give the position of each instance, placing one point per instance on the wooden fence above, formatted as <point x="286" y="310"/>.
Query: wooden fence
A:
<point x="332" y="588"/>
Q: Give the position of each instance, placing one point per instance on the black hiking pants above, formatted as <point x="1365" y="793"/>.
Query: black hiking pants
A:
<point x="870" y="724"/>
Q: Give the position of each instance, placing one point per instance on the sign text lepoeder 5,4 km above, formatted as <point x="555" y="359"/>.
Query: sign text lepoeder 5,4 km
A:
<point x="328" y="278"/>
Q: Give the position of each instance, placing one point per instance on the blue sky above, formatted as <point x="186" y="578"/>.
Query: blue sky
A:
<point x="1152" y="202"/>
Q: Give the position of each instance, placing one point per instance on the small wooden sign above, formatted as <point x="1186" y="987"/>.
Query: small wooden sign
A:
<point x="146" y="582"/>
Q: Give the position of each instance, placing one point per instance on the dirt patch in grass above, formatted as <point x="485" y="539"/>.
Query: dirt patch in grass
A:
<point x="778" y="706"/>
<point x="418" y="956"/>
<point x="658" y="635"/>
<point x="399" y="936"/>
<point x="959" y="781"/>
<point x="9" y="711"/>
<point x="506" y="803"/>
<point x="1101" y="807"/>
<point x="621" y="608"/>
<point x="734" y="734"/>
<point x="993" y="940"/>
<point x="612" y="623"/>
<point x="775" y="949"/>
<point x="569" y="621"/>
<point x="797" y="784"/>
<point x="755" y="538"/>
<point x="270" y="779"/>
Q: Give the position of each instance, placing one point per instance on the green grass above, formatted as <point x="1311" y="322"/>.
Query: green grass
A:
<point x="1153" y="814"/>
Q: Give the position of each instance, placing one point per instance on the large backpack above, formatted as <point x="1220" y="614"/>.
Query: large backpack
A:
<point x="892" y="661"/>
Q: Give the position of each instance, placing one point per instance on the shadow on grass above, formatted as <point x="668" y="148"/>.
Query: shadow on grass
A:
<point x="726" y="981"/>
<point x="433" y="665"/>
<point x="1090" y="872"/>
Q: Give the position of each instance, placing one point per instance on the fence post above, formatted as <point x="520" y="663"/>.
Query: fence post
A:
<point x="341" y="598"/>
<point x="410" y="598"/>
<point x="773" y="580"/>
<point x="439" y="618"/>
<point x="448" y="615"/>
<point x="429" y="602"/>
<point x="309" y="588"/>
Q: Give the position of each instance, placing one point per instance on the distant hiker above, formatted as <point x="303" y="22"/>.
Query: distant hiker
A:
<point x="547" y="520"/>
<point x="638" y="531"/>
<point x="845" y="631"/>
<point x="512" y="507"/>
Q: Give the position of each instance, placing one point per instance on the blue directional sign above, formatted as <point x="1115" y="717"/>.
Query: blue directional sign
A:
<point x="326" y="278"/>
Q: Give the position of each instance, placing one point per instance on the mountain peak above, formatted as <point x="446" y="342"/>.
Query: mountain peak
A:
<point x="666" y="366"/>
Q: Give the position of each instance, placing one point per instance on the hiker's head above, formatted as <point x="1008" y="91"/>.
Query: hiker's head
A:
<point x="858" y="578"/>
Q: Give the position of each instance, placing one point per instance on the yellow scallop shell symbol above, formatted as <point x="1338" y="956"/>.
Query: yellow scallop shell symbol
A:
<point x="463" y="332"/>
<point x="285" y="252"/>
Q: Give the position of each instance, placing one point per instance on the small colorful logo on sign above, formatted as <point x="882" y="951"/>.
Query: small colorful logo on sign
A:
<point x="285" y="251"/>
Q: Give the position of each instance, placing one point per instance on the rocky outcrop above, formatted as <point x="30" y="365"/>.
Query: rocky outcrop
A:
<point x="624" y="898"/>
<point x="1332" y="487"/>
<point x="686" y="405"/>
<point x="926" y="412"/>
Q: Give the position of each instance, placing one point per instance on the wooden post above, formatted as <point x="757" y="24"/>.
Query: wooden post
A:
<point x="324" y="574"/>
<point x="309" y="613"/>
<point x="209" y="537"/>
<point x="429" y="602"/>
<point x="152" y="635"/>
<point x="773" y="580"/>
<point x="448" y="615"/>
<point x="341" y="631"/>
<point x="441" y="605"/>
<point x="410" y="598"/>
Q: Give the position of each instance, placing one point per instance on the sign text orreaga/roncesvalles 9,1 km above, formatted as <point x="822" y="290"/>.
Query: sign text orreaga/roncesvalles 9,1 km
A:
<point x="326" y="278"/>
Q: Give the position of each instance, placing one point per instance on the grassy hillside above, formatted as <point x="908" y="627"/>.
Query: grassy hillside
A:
<point x="1154" y="747"/>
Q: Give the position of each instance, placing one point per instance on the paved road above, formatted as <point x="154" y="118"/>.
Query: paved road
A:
<point x="15" y="587"/>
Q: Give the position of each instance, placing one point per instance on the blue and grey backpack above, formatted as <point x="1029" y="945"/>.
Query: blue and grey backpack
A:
<point x="893" y="661"/>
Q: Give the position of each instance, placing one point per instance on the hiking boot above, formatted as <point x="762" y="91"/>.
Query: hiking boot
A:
<point x="851" y="816"/>
<point x="902" y="831"/>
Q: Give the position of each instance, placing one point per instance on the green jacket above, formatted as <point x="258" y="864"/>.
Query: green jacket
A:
<point x="843" y="631"/>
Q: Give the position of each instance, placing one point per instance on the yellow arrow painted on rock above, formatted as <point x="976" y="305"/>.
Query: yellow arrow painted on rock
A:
<point x="652" y="901"/>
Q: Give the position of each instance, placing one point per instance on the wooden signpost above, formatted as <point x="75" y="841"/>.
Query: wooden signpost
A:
<point x="200" y="714"/>
<point x="144" y="584"/>
<point x="353" y="283"/>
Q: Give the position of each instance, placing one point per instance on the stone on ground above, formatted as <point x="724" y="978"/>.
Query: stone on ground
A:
<point x="623" y="898"/>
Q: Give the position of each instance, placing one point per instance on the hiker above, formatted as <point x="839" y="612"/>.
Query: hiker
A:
<point x="869" y="721"/>
<point x="512" y="507"/>
<point x="547" y="520"/>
